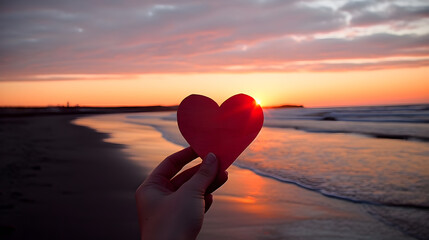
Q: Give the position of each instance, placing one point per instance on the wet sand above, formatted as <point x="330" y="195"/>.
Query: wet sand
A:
<point x="62" y="181"/>
<point x="250" y="206"/>
<point x="255" y="207"/>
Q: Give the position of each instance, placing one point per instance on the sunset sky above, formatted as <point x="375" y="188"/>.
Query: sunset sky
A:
<point x="311" y="52"/>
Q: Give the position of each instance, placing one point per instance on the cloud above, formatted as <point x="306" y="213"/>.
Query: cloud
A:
<point x="367" y="13"/>
<point x="137" y="37"/>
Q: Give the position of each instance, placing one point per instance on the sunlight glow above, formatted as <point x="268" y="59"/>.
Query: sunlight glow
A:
<point x="391" y="86"/>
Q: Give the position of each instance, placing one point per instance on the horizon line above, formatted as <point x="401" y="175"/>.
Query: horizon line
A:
<point x="176" y="105"/>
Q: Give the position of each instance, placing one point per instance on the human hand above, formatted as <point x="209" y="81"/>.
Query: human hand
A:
<point x="173" y="207"/>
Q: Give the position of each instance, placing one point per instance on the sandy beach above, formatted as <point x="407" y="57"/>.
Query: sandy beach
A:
<point x="62" y="181"/>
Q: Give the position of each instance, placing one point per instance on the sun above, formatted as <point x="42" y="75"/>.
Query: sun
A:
<point x="258" y="102"/>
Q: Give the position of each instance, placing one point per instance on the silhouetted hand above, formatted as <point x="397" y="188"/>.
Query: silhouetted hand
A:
<point x="173" y="207"/>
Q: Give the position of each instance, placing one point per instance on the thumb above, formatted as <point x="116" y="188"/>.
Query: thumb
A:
<point x="205" y="175"/>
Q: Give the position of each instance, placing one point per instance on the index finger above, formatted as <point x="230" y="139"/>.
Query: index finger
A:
<point x="173" y="163"/>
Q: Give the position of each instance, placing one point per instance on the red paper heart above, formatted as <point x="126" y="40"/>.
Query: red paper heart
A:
<point x="225" y="131"/>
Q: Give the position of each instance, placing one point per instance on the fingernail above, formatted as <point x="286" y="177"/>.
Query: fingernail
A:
<point x="210" y="158"/>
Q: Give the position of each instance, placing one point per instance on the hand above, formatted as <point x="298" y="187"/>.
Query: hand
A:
<point x="173" y="207"/>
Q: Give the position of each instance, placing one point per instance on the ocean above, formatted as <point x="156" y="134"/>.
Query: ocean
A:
<point x="376" y="156"/>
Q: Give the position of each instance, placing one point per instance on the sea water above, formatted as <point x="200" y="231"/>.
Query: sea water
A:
<point x="374" y="156"/>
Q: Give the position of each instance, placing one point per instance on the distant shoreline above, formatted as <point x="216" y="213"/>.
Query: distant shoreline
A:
<point x="48" y="111"/>
<point x="63" y="110"/>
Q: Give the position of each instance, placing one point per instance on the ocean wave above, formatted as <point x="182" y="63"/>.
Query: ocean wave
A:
<point x="400" y="114"/>
<point x="405" y="131"/>
<point x="345" y="187"/>
<point x="392" y="122"/>
<point x="316" y="184"/>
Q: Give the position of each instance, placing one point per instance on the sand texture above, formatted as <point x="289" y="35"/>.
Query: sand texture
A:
<point x="60" y="181"/>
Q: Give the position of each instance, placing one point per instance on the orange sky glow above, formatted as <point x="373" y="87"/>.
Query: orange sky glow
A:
<point x="312" y="89"/>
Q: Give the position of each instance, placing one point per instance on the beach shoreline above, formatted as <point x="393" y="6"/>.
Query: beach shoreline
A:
<point x="249" y="206"/>
<point x="66" y="181"/>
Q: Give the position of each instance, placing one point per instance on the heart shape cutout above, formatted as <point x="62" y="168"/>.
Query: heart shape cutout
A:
<point x="225" y="131"/>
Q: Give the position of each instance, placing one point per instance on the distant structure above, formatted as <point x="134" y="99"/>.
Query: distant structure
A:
<point x="68" y="105"/>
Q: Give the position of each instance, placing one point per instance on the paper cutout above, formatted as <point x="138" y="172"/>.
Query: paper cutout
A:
<point x="225" y="131"/>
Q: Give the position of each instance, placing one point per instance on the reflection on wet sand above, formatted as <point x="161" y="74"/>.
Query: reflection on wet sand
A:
<point x="250" y="206"/>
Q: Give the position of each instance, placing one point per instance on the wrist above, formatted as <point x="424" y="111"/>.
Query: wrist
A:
<point x="166" y="231"/>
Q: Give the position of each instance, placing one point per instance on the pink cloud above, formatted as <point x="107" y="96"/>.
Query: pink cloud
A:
<point x="84" y="37"/>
